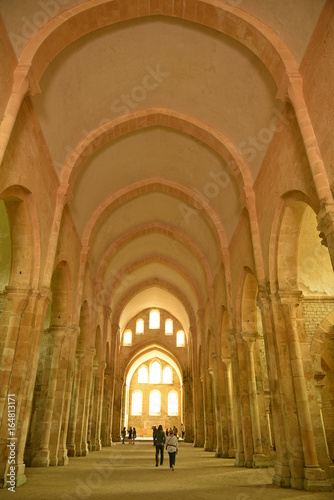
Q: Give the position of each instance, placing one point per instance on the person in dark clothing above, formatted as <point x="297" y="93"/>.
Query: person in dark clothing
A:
<point x="159" y="441"/>
<point x="134" y="435"/>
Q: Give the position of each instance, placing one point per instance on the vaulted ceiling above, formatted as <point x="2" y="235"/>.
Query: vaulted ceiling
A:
<point x="150" y="115"/>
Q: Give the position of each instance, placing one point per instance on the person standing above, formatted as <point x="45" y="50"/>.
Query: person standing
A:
<point x="134" y="435"/>
<point x="172" y="446"/>
<point x="154" y="429"/>
<point x="123" y="434"/>
<point x="159" y="441"/>
<point x="130" y="435"/>
<point x="175" y="431"/>
<point x="182" y="431"/>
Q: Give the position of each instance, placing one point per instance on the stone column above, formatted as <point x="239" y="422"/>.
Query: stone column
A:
<point x="41" y="440"/>
<point x="106" y="439"/>
<point x="116" y="426"/>
<point x="240" y="450"/>
<point x="314" y="477"/>
<point x="199" y="413"/>
<point x="282" y="469"/>
<point x="242" y="402"/>
<point x="229" y="408"/>
<point x="98" y="381"/>
<point x="91" y="405"/>
<point x="188" y="417"/>
<point x="216" y="394"/>
<point x="71" y="445"/>
<point x="259" y="459"/>
<point x="209" y="427"/>
<point x="20" y="337"/>
<point x="72" y="336"/>
<point x="86" y="367"/>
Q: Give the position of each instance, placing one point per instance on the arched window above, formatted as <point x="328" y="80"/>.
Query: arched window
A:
<point x="127" y="337"/>
<point x="154" y="319"/>
<point x="155" y="403"/>
<point x="155" y="373"/>
<point x="173" y="407"/>
<point x="180" y="338"/>
<point x="143" y="375"/>
<point x="137" y="403"/>
<point x="169" y="327"/>
<point x="167" y="376"/>
<point x="140" y="326"/>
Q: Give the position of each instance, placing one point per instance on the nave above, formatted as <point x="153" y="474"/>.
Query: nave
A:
<point x="121" y="472"/>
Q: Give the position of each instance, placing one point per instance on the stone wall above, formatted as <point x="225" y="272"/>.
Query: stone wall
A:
<point x="315" y="311"/>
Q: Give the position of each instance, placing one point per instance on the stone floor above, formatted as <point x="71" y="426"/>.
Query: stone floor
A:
<point x="124" y="472"/>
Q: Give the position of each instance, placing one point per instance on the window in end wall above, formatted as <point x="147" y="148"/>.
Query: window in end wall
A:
<point x="173" y="407"/>
<point x="137" y="403"/>
<point x="140" y="326"/>
<point x="155" y="373"/>
<point x="167" y="376"/>
<point x="154" y="322"/>
<point x="169" y="327"/>
<point x="180" y="338"/>
<point x="155" y="403"/>
<point x="143" y="375"/>
<point x="127" y="337"/>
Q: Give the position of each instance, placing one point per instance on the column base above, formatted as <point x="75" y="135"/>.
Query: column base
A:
<point x="282" y="476"/>
<point x="71" y="450"/>
<point x="41" y="459"/>
<point x="316" y="480"/>
<point x="84" y="450"/>
<point x="62" y="457"/>
<point x="53" y="462"/>
<point x="239" y="459"/>
<point x="331" y="473"/>
<point x="260" y="461"/>
<point x="231" y="453"/>
<point x="198" y="445"/>
<point x="95" y="447"/>
<point x="20" y="475"/>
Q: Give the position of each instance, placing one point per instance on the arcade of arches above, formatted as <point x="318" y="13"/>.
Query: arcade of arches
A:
<point x="167" y="229"/>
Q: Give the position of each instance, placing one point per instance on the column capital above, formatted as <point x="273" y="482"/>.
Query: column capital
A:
<point x="91" y="352"/>
<point x="292" y="298"/>
<point x="107" y="311"/>
<point x="18" y="298"/>
<point x="249" y="339"/>
<point x="319" y="377"/>
<point x="232" y="335"/>
<point x="80" y="353"/>
<point x="227" y="362"/>
<point x="58" y="333"/>
<point x="74" y="331"/>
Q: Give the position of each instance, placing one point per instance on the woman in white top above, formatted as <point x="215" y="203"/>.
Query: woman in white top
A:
<point x="172" y="447"/>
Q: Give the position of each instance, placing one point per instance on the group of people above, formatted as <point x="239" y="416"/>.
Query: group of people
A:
<point x="160" y="440"/>
<point x="132" y="434"/>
